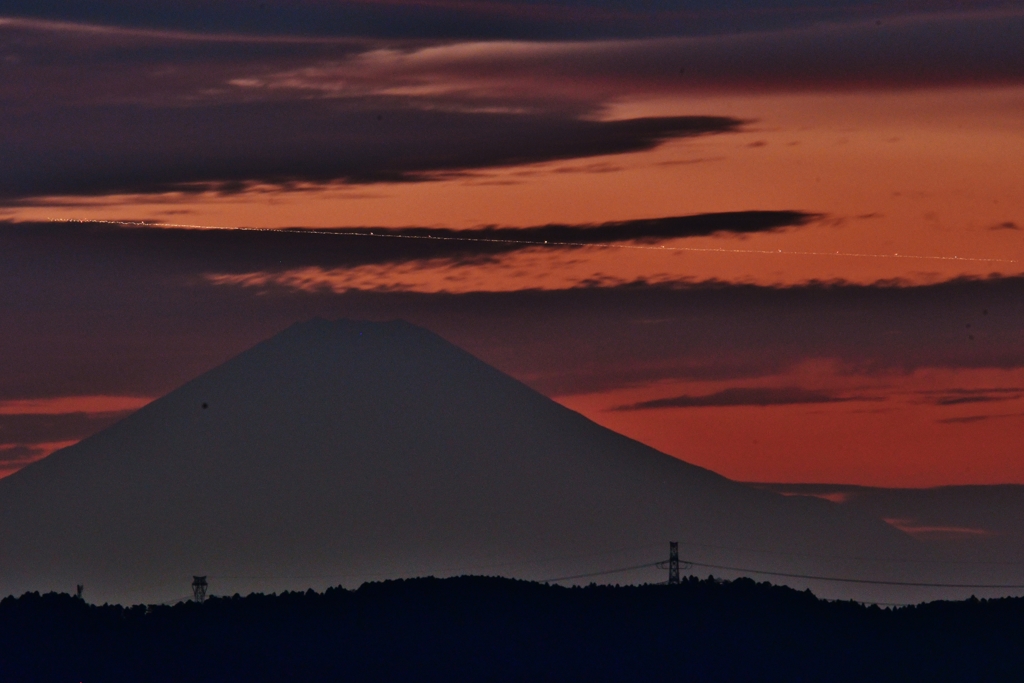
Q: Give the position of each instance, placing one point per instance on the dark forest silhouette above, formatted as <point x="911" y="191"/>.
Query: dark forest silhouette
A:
<point x="494" y="629"/>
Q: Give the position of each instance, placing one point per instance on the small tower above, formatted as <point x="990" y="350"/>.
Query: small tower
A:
<point x="199" y="587"/>
<point x="78" y="591"/>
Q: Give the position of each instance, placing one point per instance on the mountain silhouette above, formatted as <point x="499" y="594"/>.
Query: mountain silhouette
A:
<point x="337" y="452"/>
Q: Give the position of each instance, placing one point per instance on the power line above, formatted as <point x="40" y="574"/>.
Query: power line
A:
<point x="849" y="557"/>
<point x="691" y="563"/>
<point x="463" y="568"/>
<point x="811" y="577"/>
<point x="174" y="601"/>
<point x="673" y="565"/>
<point x="662" y="564"/>
<point x="848" y="580"/>
<point x="601" y="573"/>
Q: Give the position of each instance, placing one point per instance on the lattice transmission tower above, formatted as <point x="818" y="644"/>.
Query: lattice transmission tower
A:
<point x="199" y="587"/>
<point x="673" y="563"/>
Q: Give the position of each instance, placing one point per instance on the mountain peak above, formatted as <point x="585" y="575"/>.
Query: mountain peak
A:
<point x="349" y="450"/>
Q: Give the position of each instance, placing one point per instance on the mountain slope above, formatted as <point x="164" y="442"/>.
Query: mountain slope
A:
<point x="340" y="451"/>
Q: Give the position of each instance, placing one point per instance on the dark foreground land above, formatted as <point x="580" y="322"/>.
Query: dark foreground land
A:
<point x="490" y="629"/>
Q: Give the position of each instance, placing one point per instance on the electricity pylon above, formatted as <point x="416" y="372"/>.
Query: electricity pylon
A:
<point x="199" y="588"/>
<point x="673" y="563"/>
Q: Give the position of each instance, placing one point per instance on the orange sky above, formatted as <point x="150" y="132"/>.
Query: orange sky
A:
<point x="920" y="174"/>
<point x="929" y="174"/>
<point x="892" y="438"/>
<point x="917" y="184"/>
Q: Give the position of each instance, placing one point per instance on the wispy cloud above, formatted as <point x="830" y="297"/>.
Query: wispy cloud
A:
<point x="957" y="400"/>
<point x="954" y="396"/>
<point x="910" y="52"/>
<point x="931" y="531"/>
<point x="976" y="418"/>
<point x="48" y="428"/>
<point x="745" y="396"/>
<point x="29" y="436"/>
<point x="14" y="457"/>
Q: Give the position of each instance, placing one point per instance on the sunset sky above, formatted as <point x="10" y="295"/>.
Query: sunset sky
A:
<point x="781" y="240"/>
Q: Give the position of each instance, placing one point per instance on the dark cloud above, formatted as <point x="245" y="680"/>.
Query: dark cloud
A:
<point x="45" y="64"/>
<point x="44" y="428"/>
<point x="99" y="315"/>
<point x="139" y="149"/>
<point x="180" y="252"/>
<point x="744" y="396"/>
<point x="976" y="418"/>
<point x="18" y="455"/>
<point x="964" y="420"/>
<point x="392" y="18"/>
<point x="92" y="110"/>
<point x="1008" y="225"/>
<point x="187" y="252"/>
<point x="957" y="400"/>
<point x="595" y="338"/>
<point x="952" y="397"/>
<point x="530" y="19"/>
<point x="641" y="230"/>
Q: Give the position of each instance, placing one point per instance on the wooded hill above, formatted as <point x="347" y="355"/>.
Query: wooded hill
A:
<point x="495" y="629"/>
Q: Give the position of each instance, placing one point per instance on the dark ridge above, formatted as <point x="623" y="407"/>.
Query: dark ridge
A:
<point x="478" y="628"/>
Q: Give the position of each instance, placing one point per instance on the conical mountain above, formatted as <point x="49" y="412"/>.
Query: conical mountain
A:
<point x="341" y="451"/>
